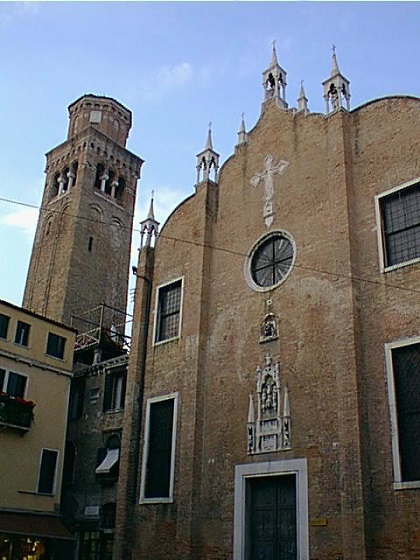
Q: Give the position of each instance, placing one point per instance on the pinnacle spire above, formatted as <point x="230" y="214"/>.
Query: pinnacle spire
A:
<point x="149" y="227"/>
<point x="151" y="214"/>
<point x="274" y="61"/>
<point x="302" y="99"/>
<point x="336" y="88"/>
<point x="207" y="160"/>
<point x="334" y="70"/>
<point x="274" y="81"/>
<point x="209" y="143"/>
<point x="242" y="135"/>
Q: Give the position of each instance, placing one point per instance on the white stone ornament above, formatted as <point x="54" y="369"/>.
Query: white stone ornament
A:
<point x="267" y="176"/>
<point x="269" y="429"/>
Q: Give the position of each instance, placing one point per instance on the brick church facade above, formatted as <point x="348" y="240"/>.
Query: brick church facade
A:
<point x="272" y="405"/>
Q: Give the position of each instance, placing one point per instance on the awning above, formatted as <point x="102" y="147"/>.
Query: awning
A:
<point x="49" y="526"/>
<point x="111" y="458"/>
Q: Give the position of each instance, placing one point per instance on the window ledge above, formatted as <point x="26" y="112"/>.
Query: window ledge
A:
<point x="400" y="265"/>
<point x="406" y="485"/>
<point x="157" y="500"/>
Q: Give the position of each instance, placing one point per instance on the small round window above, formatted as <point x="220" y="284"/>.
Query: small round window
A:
<point x="270" y="261"/>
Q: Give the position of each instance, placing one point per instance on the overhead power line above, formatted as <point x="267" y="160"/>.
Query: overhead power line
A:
<point x="216" y="248"/>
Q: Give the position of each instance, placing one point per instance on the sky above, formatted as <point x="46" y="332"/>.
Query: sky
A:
<point x="177" y="66"/>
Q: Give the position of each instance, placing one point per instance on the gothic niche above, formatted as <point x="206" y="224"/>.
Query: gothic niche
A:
<point x="269" y="428"/>
<point x="269" y="328"/>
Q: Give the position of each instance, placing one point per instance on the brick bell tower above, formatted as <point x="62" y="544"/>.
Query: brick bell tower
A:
<point x="81" y="253"/>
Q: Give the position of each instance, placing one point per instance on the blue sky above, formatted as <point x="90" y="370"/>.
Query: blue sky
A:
<point x="177" y="66"/>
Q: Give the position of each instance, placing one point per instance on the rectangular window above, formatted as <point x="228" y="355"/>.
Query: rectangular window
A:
<point x="4" y="325"/>
<point x="159" y="450"/>
<point x="22" y="333"/>
<point x="2" y="379"/>
<point x="55" y="345"/>
<point x="399" y="215"/>
<point x="47" y="471"/>
<point x="403" y="368"/>
<point x="168" y="316"/>
<point x="16" y="385"/>
<point x="77" y="393"/>
<point x="114" y="392"/>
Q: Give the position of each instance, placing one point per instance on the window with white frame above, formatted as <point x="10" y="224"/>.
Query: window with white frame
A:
<point x="157" y="483"/>
<point x="47" y="471"/>
<point x="403" y="369"/>
<point x="13" y="384"/>
<point x="398" y="214"/>
<point x="168" y="311"/>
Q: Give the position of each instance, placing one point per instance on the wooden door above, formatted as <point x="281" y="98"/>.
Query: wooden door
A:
<point x="271" y="518"/>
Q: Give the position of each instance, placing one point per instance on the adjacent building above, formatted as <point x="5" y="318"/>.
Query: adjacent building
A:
<point x="36" y="360"/>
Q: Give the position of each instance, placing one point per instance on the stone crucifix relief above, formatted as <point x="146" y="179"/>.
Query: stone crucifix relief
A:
<point x="267" y="175"/>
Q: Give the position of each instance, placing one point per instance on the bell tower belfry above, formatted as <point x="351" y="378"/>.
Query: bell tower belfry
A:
<point x="274" y="81"/>
<point x="81" y="253"/>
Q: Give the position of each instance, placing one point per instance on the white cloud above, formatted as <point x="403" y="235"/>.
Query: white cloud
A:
<point x="24" y="220"/>
<point x="164" y="81"/>
<point x="14" y="10"/>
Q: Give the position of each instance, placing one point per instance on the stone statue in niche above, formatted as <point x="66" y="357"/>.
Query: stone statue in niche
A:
<point x="269" y="330"/>
<point x="269" y="427"/>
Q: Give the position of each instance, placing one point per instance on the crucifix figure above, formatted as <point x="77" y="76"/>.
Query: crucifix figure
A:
<point x="267" y="175"/>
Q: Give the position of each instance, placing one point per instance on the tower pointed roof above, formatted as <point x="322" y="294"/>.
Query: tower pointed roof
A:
<point x="274" y="61"/>
<point x="302" y="99"/>
<point x="207" y="160"/>
<point x="336" y="87"/>
<point x="274" y="81"/>
<point x="209" y="143"/>
<point x="149" y="227"/>
<point x="334" y="69"/>
<point x="242" y="135"/>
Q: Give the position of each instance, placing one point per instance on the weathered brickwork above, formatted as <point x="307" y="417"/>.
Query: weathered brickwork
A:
<point x="82" y="227"/>
<point x="335" y="312"/>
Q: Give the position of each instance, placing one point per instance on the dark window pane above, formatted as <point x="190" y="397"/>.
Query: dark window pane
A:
<point x="2" y="378"/>
<point x="406" y="364"/>
<point x="401" y="219"/>
<point x="16" y="385"/>
<point x="271" y="261"/>
<point x="4" y="325"/>
<point x="158" y="470"/>
<point x="55" y="345"/>
<point x="22" y="333"/>
<point x="169" y="309"/>
<point x="47" y="472"/>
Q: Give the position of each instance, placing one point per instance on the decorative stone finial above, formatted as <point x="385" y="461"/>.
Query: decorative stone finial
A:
<point x="274" y="81"/>
<point x="149" y="227"/>
<point x="207" y="161"/>
<point x="336" y="88"/>
<point x="242" y="135"/>
<point x="302" y="99"/>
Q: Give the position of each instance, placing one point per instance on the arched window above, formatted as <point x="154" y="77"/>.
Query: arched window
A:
<point x="55" y="186"/>
<point x="100" y="169"/>
<point x="65" y="179"/>
<point x="119" y="190"/>
<point x="74" y="168"/>
<point x="108" y="184"/>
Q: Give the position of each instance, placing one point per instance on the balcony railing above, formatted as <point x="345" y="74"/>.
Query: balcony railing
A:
<point x="16" y="412"/>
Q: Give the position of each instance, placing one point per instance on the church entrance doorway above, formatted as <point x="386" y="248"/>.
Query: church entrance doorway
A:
<point x="270" y="525"/>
